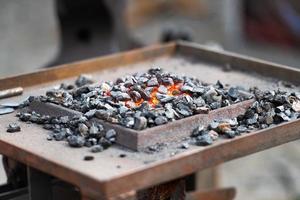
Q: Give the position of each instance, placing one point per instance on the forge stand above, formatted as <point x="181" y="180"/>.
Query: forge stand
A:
<point x="140" y="174"/>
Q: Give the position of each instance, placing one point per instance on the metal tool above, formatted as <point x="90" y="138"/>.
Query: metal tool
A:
<point x="11" y="92"/>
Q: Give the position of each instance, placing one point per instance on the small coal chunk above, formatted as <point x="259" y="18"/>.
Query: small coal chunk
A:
<point x="105" y="143"/>
<point x="140" y="123"/>
<point x="249" y="113"/>
<point x="162" y="89"/>
<point x="201" y="110"/>
<point x="152" y="82"/>
<point x="122" y="155"/>
<point x="83" y="79"/>
<point x="185" y="145"/>
<point x="111" y="133"/>
<point x="94" y="130"/>
<point x="59" y="136"/>
<point x="241" y="129"/>
<point x="102" y="114"/>
<point x="13" y="127"/>
<point x="88" y="158"/>
<point x="230" y="133"/>
<point x="75" y="141"/>
<point x="198" y="131"/>
<point x="90" y="113"/>
<point x="204" y="140"/>
<point x="279" y="109"/>
<point x="160" y="120"/>
<point x="214" y="125"/>
<point x="233" y="93"/>
<point x="50" y="137"/>
<point x="97" y="148"/>
<point x="64" y="119"/>
<point x="83" y="129"/>
<point x="135" y="95"/>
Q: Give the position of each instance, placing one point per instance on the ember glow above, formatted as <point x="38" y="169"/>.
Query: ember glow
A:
<point x="173" y="90"/>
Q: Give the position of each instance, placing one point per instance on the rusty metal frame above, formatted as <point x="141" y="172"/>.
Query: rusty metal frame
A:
<point x="167" y="169"/>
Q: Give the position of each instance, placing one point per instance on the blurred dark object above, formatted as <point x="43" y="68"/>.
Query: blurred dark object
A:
<point x="173" y="33"/>
<point x="91" y="28"/>
<point x="273" y="21"/>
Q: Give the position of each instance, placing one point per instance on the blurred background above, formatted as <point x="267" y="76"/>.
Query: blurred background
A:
<point x="42" y="33"/>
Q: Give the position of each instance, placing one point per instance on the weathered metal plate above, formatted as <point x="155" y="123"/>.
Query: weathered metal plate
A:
<point x="109" y="175"/>
<point x="138" y="140"/>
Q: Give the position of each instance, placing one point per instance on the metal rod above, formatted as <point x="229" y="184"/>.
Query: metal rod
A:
<point x="11" y="92"/>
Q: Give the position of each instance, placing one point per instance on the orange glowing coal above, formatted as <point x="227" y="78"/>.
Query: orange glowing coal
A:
<point x="173" y="90"/>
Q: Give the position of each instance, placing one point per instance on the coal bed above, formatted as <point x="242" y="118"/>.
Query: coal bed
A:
<point x="144" y="110"/>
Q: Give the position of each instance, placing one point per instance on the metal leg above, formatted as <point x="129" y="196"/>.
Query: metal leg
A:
<point x="39" y="185"/>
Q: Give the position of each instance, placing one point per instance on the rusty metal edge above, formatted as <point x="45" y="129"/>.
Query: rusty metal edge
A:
<point x="202" y="158"/>
<point x="87" y="66"/>
<point x="239" y="62"/>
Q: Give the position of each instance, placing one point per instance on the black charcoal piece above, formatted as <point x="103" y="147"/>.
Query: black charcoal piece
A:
<point x="249" y="114"/>
<point x="186" y="88"/>
<point x="185" y="145"/>
<point x="90" y="113"/>
<point x="83" y="129"/>
<point x="135" y="95"/>
<point x="111" y="133"/>
<point x="105" y="143"/>
<point x="160" y="120"/>
<point x="94" y="130"/>
<point x="102" y="114"/>
<point x="279" y="109"/>
<point x="49" y="137"/>
<point x="152" y="82"/>
<point x="214" y="125"/>
<point x="241" y="129"/>
<point x="75" y="141"/>
<point x="83" y="80"/>
<point x="162" y="89"/>
<point x="198" y="131"/>
<point x="123" y="97"/>
<point x="201" y="110"/>
<point x="233" y="93"/>
<point x="97" y="148"/>
<point x="204" y="140"/>
<point x="64" y="119"/>
<point x="13" y="127"/>
<point x="128" y="122"/>
<point x="88" y="158"/>
<point x="25" y="116"/>
<point x="230" y="133"/>
<point x="59" y="136"/>
<point x="48" y="126"/>
<point x="122" y="155"/>
<point x="140" y="123"/>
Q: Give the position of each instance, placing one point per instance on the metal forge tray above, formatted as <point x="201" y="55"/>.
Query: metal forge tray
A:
<point x="139" y="140"/>
<point x="109" y="175"/>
